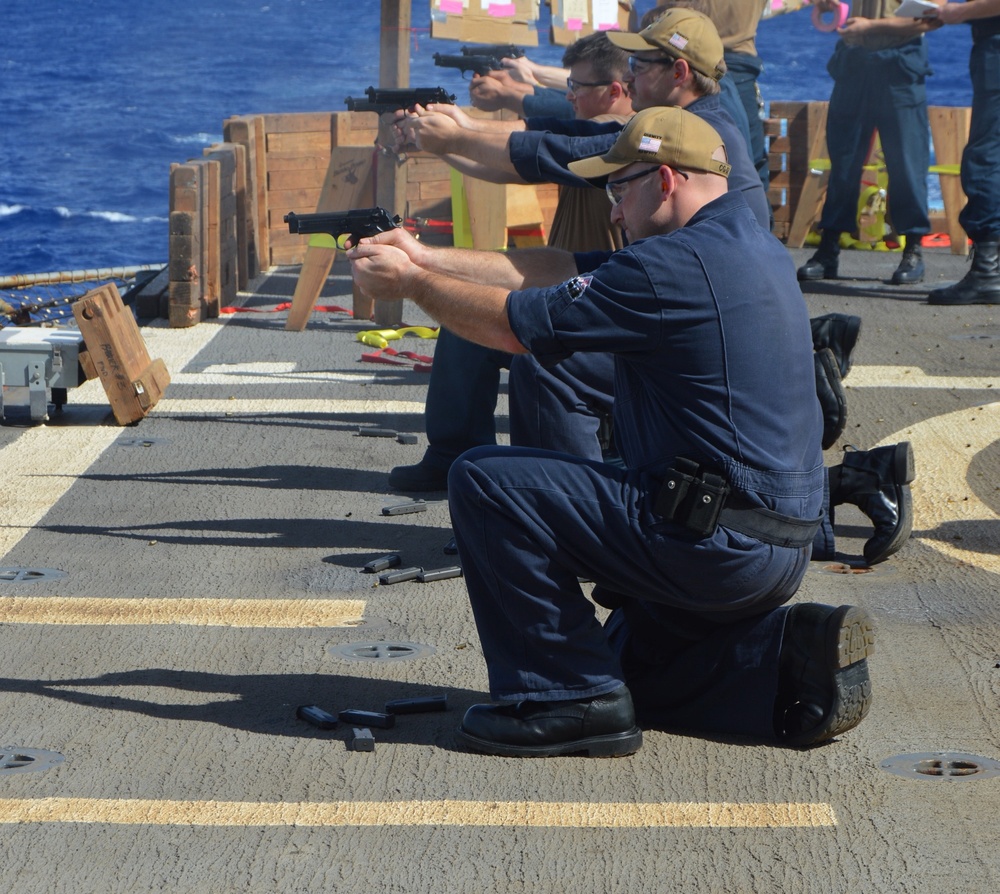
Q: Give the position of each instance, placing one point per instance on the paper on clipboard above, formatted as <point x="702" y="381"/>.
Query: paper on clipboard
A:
<point x="916" y="9"/>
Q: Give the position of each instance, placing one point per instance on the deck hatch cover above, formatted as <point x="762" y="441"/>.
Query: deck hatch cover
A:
<point x="22" y="575"/>
<point x="26" y="760"/>
<point x="381" y="651"/>
<point x="943" y="765"/>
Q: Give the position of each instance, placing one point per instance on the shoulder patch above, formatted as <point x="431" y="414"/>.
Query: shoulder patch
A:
<point x="578" y="285"/>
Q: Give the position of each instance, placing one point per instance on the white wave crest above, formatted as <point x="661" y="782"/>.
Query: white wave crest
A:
<point x="63" y="211"/>
<point x="112" y="216"/>
<point x="10" y="210"/>
<point x="205" y="138"/>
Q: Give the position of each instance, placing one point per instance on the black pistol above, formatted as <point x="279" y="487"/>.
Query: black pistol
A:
<point x="392" y="99"/>
<point x="478" y="64"/>
<point x="356" y="223"/>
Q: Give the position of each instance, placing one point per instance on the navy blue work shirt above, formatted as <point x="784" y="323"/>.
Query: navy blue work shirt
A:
<point x="712" y="348"/>
<point x="543" y="156"/>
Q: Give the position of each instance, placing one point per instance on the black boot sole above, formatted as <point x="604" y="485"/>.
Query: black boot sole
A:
<point x="804" y="275"/>
<point x="944" y="298"/>
<point x="610" y="745"/>
<point x="850" y="642"/>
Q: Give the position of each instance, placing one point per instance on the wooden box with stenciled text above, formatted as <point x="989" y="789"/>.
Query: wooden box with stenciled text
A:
<point x="116" y="353"/>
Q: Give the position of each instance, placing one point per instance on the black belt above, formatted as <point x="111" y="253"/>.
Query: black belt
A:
<point x="768" y="526"/>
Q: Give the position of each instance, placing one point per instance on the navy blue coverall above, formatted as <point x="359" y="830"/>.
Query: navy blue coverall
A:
<point x="462" y="392"/>
<point x="561" y="407"/>
<point x="685" y="316"/>
<point x="980" y="218"/>
<point x="880" y="89"/>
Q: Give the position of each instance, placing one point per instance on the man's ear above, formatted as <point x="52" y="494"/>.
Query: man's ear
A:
<point x="666" y="182"/>
<point x="681" y="70"/>
<point x="616" y="91"/>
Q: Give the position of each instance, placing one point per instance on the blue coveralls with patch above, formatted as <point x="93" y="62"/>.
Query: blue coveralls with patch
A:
<point x="884" y="90"/>
<point x="980" y="218"/>
<point x="561" y="407"/>
<point x="684" y="315"/>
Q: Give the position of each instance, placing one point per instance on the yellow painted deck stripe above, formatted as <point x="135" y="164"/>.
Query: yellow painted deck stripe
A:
<point x="417" y="813"/>
<point x="294" y="613"/>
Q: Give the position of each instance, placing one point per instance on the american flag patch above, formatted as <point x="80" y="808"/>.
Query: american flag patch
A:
<point x="649" y="143"/>
<point x="678" y="40"/>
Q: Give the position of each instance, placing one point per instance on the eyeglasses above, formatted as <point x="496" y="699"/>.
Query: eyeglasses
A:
<point x="573" y="86"/>
<point x="638" y="66"/>
<point x="614" y="187"/>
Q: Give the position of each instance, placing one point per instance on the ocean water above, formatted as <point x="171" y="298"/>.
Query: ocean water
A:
<point x="97" y="99"/>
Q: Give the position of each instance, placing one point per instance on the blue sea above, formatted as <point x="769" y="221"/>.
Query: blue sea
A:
<point x="97" y="99"/>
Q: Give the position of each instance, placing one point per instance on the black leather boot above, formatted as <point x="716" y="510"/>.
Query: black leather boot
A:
<point x="823" y="264"/>
<point x="839" y="333"/>
<point x="877" y="482"/>
<point x="831" y="394"/>
<point x="823" y="683"/>
<point x="981" y="285"/>
<point x="603" y="726"/>
<point x="911" y="267"/>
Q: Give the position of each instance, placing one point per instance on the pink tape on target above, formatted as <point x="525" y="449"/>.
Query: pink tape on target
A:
<point x="839" y="17"/>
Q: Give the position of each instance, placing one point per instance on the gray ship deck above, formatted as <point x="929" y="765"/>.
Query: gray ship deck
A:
<point x="211" y="557"/>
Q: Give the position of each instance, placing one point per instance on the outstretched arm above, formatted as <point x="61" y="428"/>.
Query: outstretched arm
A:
<point x="957" y="13"/>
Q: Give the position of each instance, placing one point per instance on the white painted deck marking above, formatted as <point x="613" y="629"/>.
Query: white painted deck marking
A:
<point x="43" y="462"/>
<point x="914" y="377"/>
<point x="266" y="406"/>
<point x="262" y="373"/>
<point x="284" y="613"/>
<point x="944" y="499"/>
<point x="585" y="815"/>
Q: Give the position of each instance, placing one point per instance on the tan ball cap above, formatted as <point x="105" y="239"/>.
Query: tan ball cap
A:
<point x="683" y="34"/>
<point x="663" y="135"/>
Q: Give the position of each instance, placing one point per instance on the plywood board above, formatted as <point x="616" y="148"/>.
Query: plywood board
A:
<point x="348" y="177"/>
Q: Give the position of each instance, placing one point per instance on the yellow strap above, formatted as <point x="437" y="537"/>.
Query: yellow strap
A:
<point x="823" y="164"/>
<point x="380" y="338"/>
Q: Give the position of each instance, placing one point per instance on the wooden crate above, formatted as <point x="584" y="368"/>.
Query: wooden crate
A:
<point x="248" y="132"/>
<point x="116" y="352"/>
<point x="796" y="136"/>
<point x="203" y="266"/>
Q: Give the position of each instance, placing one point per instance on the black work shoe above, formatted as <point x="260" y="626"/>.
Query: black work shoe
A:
<point x="831" y="394"/>
<point x="823" y="264"/>
<point x="981" y="285"/>
<point x="823" y="683"/>
<point x="911" y="266"/>
<point x="420" y="477"/>
<point x="819" y="266"/>
<point x="877" y="482"/>
<point x="603" y="726"/>
<point x="839" y="333"/>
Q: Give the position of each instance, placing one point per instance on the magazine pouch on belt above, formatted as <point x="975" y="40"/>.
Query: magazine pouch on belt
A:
<point x="692" y="497"/>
